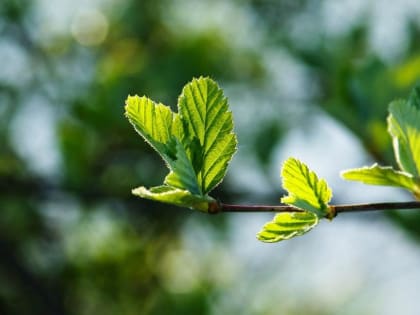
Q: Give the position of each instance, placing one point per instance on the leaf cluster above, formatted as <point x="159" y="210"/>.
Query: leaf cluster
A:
<point x="198" y="142"/>
<point x="404" y="128"/>
<point x="306" y="192"/>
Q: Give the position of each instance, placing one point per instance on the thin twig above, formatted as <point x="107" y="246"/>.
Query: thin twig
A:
<point x="378" y="206"/>
<point x="222" y="207"/>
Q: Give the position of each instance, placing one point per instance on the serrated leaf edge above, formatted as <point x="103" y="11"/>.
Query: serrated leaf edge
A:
<point x="277" y="221"/>
<point x="302" y="203"/>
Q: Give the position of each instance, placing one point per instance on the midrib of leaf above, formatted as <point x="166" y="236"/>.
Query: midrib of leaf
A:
<point x="211" y="142"/>
<point x="203" y="116"/>
<point x="216" y="115"/>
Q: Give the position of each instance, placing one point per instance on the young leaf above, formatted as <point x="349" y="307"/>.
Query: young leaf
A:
<point x="379" y="175"/>
<point x="306" y="191"/>
<point x="404" y="127"/>
<point x="287" y="225"/>
<point x="204" y="111"/>
<point x="182" y="173"/>
<point x="152" y="121"/>
<point x="175" y="196"/>
<point x="197" y="143"/>
<point x="159" y="126"/>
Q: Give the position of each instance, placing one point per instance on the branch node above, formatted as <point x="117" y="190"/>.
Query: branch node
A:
<point x="331" y="213"/>
<point x="214" y="207"/>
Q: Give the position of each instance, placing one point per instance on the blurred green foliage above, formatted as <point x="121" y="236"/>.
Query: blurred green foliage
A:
<point x="72" y="238"/>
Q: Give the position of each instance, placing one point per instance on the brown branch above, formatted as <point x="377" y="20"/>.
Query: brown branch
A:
<point x="335" y="209"/>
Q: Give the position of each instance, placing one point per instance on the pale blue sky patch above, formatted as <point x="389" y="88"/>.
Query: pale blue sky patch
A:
<point x="34" y="136"/>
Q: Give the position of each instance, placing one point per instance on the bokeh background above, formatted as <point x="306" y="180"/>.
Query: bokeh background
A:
<point x="304" y="78"/>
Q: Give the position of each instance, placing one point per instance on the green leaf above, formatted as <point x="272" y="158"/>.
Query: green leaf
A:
<point x="178" y="197"/>
<point x="152" y="121"/>
<point x="160" y="127"/>
<point x="379" y="175"/>
<point x="197" y="143"/>
<point x="204" y="112"/>
<point x="182" y="173"/>
<point x="306" y="191"/>
<point x="404" y="127"/>
<point x="414" y="98"/>
<point x="287" y="225"/>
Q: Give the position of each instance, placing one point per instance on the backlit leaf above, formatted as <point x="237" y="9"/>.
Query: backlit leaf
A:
<point x="152" y="121"/>
<point x="182" y="173"/>
<point x="305" y="190"/>
<point x="287" y="225"/>
<point x="197" y="143"/>
<point x="160" y="127"/>
<point x="404" y="127"/>
<point x="175" y="196"/>
<point x="206" y="116"/>
<point x="379" y="175"/>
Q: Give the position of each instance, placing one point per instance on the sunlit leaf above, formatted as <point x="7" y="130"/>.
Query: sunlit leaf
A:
<point x="379" y="175"/>
<point x="404" y="127"/>
<point x="182" y="173"/>
<point x="159" y="126"/>
<point x="287" y="225"/>
<point x="197" y="143"/>
<point x="171" y="195"/>
<point x="305" y="190"/>
<point x="206" y="116"/>
<point x="152" y="121"/>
